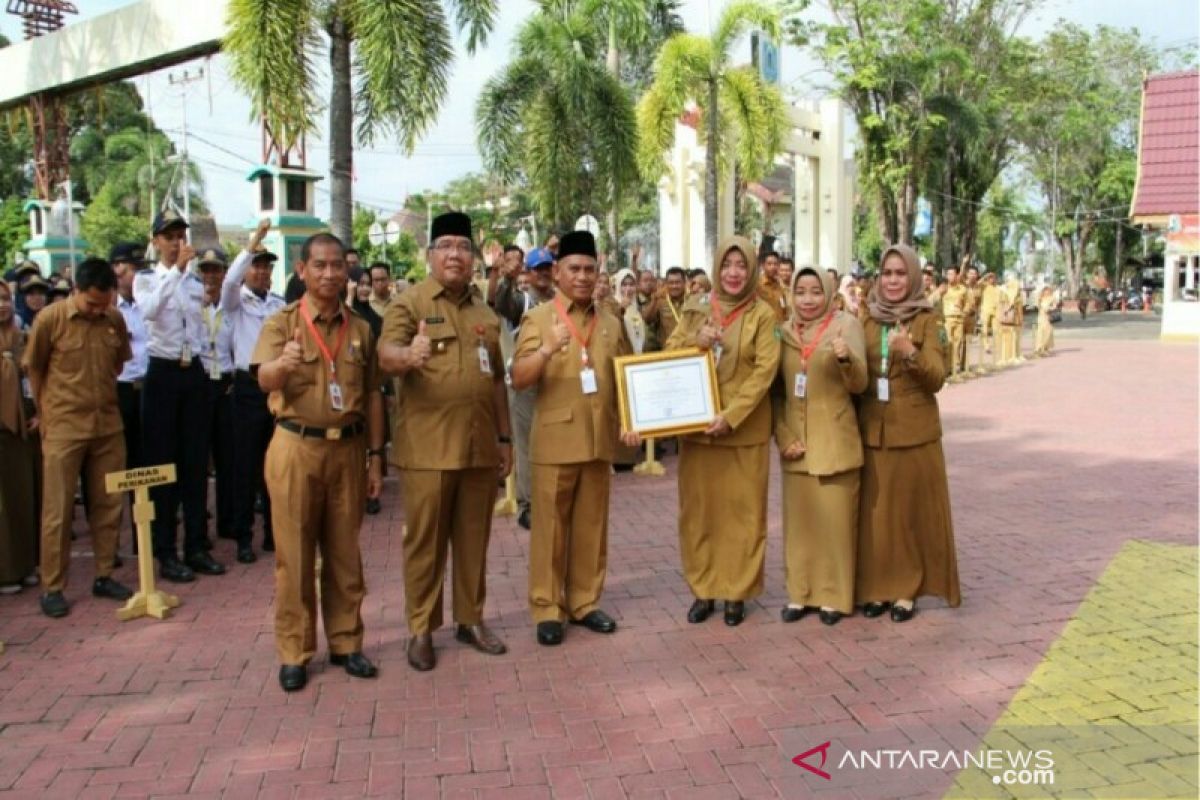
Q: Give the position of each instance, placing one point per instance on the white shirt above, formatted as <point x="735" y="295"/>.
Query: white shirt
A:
<point x="245" y="310"/>
<point x="218" y="342"/>
<point x="171" y="303"/>
<point x="135" y="368"/>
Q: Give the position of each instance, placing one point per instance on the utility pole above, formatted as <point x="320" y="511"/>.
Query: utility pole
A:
<point x="182" y="81"/>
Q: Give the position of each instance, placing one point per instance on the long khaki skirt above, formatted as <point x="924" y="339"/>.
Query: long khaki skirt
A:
<point x="820" y="525"/>
<point x="19" y="512"/>
<point x="905" y="533"/>
<point x="723" y="519"/>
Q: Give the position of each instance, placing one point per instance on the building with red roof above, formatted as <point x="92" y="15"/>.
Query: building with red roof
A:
<point x="1166" y="196"/>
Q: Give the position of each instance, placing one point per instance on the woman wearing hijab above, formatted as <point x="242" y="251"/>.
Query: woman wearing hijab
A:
<point x="635" y="327"/>
<point x="362" y="304"/>
<point x="823" y="365"/>
<point x="19" y="512"/>
<point x="905" y="534"/>
<point x="1046" y="303"/>
<point x="602" y="295"/>
<point x="847" y="296"/>
<point x="723" y="471"/>
<point x="1012" y="318"/>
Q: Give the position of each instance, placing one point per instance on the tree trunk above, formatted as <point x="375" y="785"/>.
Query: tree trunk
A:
<point x="711" y="178"/>
<point x="341" y="131"/>
<point x="614" y="232"/>
<point x="1119" y="256"/>
<point x="886" y="214"/>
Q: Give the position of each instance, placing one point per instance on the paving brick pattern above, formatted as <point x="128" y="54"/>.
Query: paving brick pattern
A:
<point x="1054" y="466"/>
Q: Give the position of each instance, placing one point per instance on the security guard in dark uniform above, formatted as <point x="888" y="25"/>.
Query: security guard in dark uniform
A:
<point x="316" y="359"/>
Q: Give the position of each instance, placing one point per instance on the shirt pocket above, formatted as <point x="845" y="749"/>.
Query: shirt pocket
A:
<point x="444" y="356"/>
<point x="70" y="354"/>
<point x="554" y="416"/>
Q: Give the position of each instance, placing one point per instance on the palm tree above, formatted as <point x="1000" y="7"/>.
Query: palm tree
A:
<point x="393" y="81"/>
<point x="744" y="116"/>
<point x="557" y="117"/>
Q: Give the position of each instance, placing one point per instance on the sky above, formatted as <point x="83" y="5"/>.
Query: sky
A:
<point x="224" y="139"/>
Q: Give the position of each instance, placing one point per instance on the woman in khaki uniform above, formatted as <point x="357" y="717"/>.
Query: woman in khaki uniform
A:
<point x="1045" y="328"/>
<point x="905" y="534"/>
<point x="1011" y="315"/>
<point x="824" y="363"/>
<point x="723" y="471"/>
<point x="19" y="511"/>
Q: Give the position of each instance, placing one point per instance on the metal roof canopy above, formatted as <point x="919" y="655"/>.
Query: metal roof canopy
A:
<point x="142" y="37"/>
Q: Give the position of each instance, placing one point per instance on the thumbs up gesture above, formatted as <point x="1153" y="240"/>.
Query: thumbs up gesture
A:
<point x="840" y="349"/>
<point x="900" y="343"/>
<point x="562" y="336"/>
<point x="421" y="348"/>
<point x="293" y="352"/>
<point x="708" y="335"/>
<point x="186" y="254"/>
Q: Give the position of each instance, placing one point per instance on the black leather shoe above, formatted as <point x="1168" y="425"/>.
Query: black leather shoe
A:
<point x="107" y="587"/>
<point x="245" y="554"/>
<point x="356" y="665"/>
<point x="735" y="612"/>
<point x="523" y="519"/>
<point x="175" y="571"/>
<point x="902" y="614"/>
<point x="203" y="563"/>
<point x="830" y="617"/>
<point x="55" y="605"/>
<point x="481" y="638"/>
<point x="872" y="610"/>
<point x="373" y="506"/>
<point x="792" y="614"/>
<point x="293" y="677"/>
<point x="549" y="633"/>
<point x="420" y="652"/>
<point x="597" y="622"/>
<point x="700" y="611"/>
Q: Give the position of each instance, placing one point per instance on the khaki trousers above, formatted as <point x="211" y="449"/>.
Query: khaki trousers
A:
<point x="955" y="332"/>
<point x="317" y="489"/>
<point x="568" y="542"/>
<point x="61" y="465"/>
<point x="446" y="510"/>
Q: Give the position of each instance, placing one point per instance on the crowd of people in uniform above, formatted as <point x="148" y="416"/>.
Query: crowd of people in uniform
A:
<point x="297" y="402"/>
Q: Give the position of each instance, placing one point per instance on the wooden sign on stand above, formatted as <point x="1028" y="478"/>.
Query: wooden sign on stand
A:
<point x="148" y="601"/>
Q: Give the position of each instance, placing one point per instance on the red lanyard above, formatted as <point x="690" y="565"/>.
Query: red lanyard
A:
<point x="725" y="322"/>
<point x="321" y="340"/>
<point x="806" y="352"/>
<point x="583" y="340"/>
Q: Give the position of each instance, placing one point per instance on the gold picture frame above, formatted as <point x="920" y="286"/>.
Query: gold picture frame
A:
<point x="668" y="393"/>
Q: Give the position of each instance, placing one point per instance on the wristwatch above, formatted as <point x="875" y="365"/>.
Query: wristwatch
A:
<point x="504" y="439"/>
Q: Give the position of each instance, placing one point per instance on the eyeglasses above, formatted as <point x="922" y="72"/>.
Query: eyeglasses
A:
<point x="465" y="248"/>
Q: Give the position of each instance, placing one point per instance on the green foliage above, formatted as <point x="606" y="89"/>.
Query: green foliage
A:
<point x="400" y="256"/>
<point x="14" y="229"/>
<point x="107" y="221"/>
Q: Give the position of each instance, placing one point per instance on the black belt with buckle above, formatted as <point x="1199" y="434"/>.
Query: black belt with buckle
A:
<point x="332" y="434"/>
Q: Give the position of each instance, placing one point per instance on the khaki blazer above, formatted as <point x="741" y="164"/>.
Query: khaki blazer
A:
<point x="911" y="416"/>
<point x="570" y="427"/>
<point x="825" y="418"/>
<point x="749" y="360"/>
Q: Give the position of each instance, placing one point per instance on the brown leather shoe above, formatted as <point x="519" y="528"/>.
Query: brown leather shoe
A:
<point x="481" y="638"/>
<point x="420" y="652"/>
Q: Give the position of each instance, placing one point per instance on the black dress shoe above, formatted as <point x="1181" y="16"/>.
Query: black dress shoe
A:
<point x="549" y="633"/>
<point x="203" y="563"/>
<point x="421" y="656"/>
<point x="830" y="617"/>
<point x="792" y="614"/>
<point x="872" y="610"/>
<point x="245" y="554"/>
<point x="597" y="622"/>
<point x="373" y="506"/>
<point x="356" y="664"/>
<point x="481" y="638"/>
<point x="175" y="571"/>
<point x="107" y="587"/>
<point x="700" y="611"/>
<point x="902" y="614"/>
<point x="293" y="677"/>
<point x="54" y="605"/>
<point x="523" y="519"/>
<point x="735" y="612"/>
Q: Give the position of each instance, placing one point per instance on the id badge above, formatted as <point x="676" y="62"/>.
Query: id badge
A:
<point x="801" y="386"/>
<point x="26" y="389"/>
<point x="883" y="390"/>
<point x="185" y="355"/>
<point x="335" y="395"/>
<point x="485" y="361"/>
<point x="214" y="367"/>
<point x="587" y="378"/>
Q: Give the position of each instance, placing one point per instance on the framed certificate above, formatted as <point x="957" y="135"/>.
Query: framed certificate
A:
<point x="665" y="394"/>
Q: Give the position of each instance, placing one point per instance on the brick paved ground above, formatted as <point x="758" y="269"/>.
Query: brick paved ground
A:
<point x="1055" y="466"/>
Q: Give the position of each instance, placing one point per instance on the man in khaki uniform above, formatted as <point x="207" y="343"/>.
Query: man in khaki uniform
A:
<point x="73" y="358"/>
<point x="566" y="348"/>
<point x="670" y="308"/>
<point x="956" y="301"/>
<point x="316" y="360"/>
<point x="770" y="290"/>
<point x="451" y="438"/>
